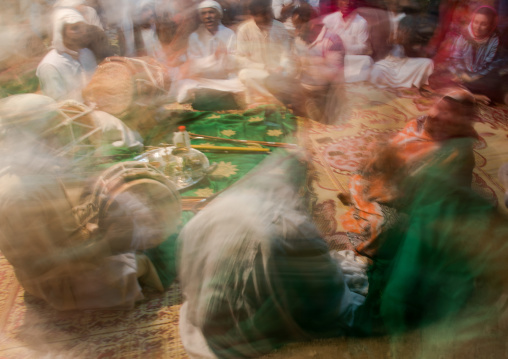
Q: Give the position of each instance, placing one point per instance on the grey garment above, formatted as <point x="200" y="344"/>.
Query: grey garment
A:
<point x="472" y="57"/>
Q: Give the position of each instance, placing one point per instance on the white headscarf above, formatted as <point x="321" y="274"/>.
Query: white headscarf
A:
<point x="61" y="17"/>
<point x="212" y="4"/>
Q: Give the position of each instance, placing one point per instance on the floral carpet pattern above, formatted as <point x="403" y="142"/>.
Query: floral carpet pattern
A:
<point x="30" y="329"/>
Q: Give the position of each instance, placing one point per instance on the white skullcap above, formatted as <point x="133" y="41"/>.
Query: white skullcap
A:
<point x="210" y="3"/>
<point x="61" y="17"/>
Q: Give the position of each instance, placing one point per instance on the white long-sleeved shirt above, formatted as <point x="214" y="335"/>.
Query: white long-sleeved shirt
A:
<point x="353" y="31"/>
<point x="62" y="77"/>
<point x="212" y="56"/>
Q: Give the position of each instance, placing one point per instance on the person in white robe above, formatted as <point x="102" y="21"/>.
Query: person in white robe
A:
<point x="283" y="10"/>
<point x="148" y="43"/>
<point x="54" y="257"/>
<point x="317" y="91"/>
<point x="68" y="67"/>
<point x="396" y="69"/>
<point x="264" y="48"/>
<point x="211" y="56"/>
<point x="353" y="29"/>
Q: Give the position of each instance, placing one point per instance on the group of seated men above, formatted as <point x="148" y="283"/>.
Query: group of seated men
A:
<point x="301" y="61"/>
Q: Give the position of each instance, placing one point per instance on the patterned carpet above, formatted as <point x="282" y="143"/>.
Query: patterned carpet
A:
<point x="29" y="329"/>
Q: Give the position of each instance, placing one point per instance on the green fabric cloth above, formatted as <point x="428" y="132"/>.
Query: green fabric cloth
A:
<point x="265" y="123"/>
<point x="25" y="83"/>
<point x="427" y="270"/>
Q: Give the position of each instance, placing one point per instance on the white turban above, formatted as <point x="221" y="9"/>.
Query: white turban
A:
<point x="61" y="17"/>
<point x="210" y="3"/>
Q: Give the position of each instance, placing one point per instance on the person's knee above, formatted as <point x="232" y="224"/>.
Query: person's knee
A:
<point x="243" y="76"/>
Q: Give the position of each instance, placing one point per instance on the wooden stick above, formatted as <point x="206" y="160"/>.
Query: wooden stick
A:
<point x="264" y="143"/>
<point x="230" y="149"/>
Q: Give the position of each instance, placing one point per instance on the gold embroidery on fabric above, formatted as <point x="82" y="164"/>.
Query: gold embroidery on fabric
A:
<point x="228" y="132"/>
<point x="204" y="192"/>
<point x="225" y="169"/>
<point x="274" y="133"/>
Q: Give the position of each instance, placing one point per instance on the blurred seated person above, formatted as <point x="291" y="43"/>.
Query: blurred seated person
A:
<point x="316" y="92"/>
<point x="354" y="32"/>
<point x="374" y="192"/>
<point x="283" y="10"/>
<point x="68" y="67"/>
<point x="56" y="256"/>
<point x="397" y="69"/>
<point x="99" y="43"/>
<point x="255" y="273"/>
<point x="211" y="80"/>
<point x="474" y="62"/>
<point x="146" y="37"/>
<point x="264" y="49"/>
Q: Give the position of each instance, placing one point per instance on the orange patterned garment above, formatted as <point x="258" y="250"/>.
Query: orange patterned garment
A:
<point x="372" y="191"/>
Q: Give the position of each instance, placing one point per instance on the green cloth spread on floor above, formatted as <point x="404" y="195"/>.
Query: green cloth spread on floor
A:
<point x="264" y="123"/>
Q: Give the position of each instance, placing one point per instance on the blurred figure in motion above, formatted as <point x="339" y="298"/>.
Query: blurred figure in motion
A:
<point x="264" y="49"/>
<point x="283" y="10"/>
<point x="447" y="265"/>
<point x="397" y="69"/>
<point x="256" y="274"/>
<point x="474" y="61"/>
<point x="146" y="36"/>
<point x="317" y="92"/>
<point x="374" y="193"/>
<point x="354" y="32"/>
<point x="212" y="72"/>
<point x="57" y="255"/>
<point x="68" y="67"/>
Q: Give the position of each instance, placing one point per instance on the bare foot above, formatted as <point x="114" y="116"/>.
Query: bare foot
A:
<point x="482" y="99"/>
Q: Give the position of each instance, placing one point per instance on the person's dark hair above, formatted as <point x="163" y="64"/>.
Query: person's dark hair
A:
<point x="489" y="12"/>
<point x="462" y="105"/>
<point x="259" y="6"/>
<point x="305" y="12"/>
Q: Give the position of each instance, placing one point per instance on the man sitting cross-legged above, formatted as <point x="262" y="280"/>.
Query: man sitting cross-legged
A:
<point x="210" y="79"/>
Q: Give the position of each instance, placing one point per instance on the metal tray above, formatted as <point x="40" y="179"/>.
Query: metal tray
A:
<point x="185" y="167"/>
